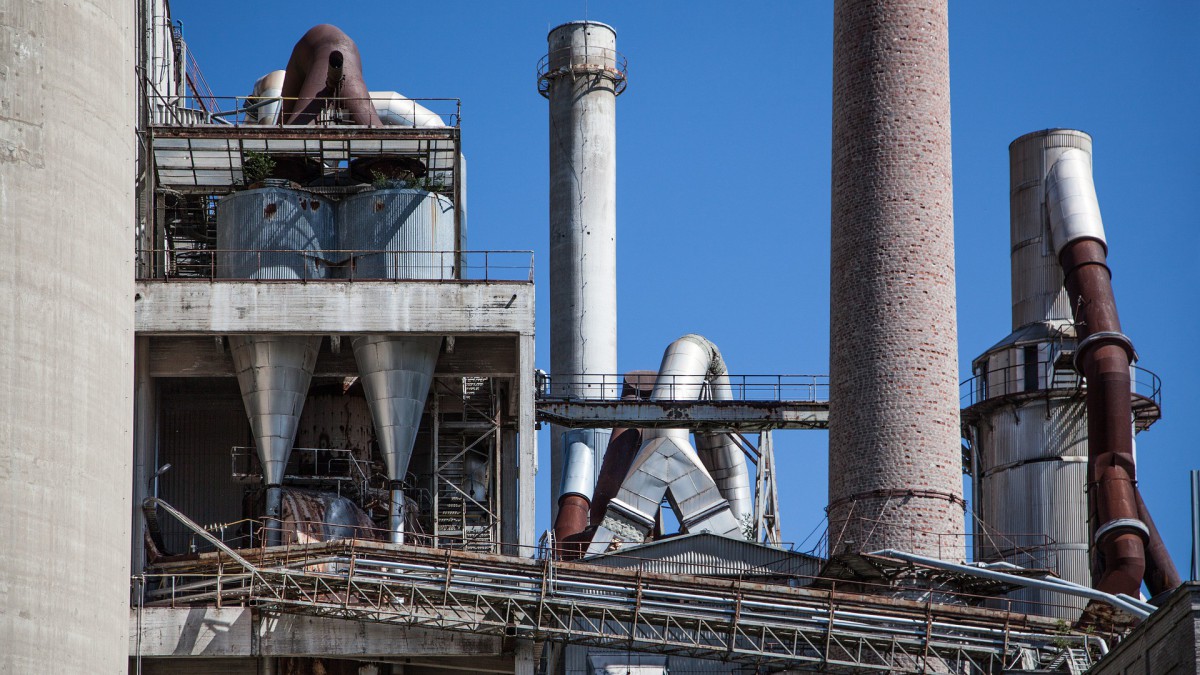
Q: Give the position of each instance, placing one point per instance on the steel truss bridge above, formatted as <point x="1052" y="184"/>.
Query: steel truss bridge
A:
<point x="767" y="625"/>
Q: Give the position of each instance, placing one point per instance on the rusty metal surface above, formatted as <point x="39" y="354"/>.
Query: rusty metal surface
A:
<point x="716" y="415"/>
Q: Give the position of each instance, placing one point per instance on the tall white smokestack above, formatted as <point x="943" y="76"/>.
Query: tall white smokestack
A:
<point x="582" y="75"/>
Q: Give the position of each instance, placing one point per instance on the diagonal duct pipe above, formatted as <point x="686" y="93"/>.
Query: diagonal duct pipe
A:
<point x="274" y="372"/>
<point x="1103" y="356"/>
<point x="666" y="464"/>
<point x="396" y="373"/>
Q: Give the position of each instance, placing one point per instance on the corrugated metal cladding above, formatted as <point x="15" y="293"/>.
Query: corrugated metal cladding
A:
<point x="712" y="555"/>
<point x="1034" y="470"/>
<point x="201" y="419"/>
<point x="398" y="222"/>
<point x="252" y="222"/>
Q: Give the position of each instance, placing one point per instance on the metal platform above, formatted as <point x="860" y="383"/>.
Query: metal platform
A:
<point x="760" y="403"/>
<point x="770" y="625"/>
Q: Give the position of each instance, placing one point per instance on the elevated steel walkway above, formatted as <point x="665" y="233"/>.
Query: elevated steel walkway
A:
<point x="771" y="625"/>
<point x="760" y="403"/>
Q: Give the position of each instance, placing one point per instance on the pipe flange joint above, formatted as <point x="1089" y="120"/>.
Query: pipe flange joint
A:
<point x="1119" y="524"/>
<point x="1104" y="337"/>
<point x="396" y="485"/>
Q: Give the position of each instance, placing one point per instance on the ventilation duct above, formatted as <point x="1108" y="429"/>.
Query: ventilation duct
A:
<point x="666" y="463"/>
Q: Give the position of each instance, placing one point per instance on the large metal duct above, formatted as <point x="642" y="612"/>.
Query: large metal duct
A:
<point x="325" y="71"/>
<point x="666" y="464"/>
<point x="264" y="103"/>
<point x="692" y="369"/>
<point x="396" y="373"/>
<point x="67" y="338"/>
<point x="273" y="373"/>
<point x="1103" y="356"/>
<point x="895" y="460"/>
<point x="581" y="80"/>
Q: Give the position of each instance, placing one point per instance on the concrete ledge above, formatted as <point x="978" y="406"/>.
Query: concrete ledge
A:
<point x="239" y="631"/>
<point x="418" y="307"/>
<point x="1167" y="642"/>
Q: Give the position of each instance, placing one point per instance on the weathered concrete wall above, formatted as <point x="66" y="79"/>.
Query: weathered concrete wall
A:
<point x="66" y="333"/>
<point x="894" y="450"/>
<point x="1168" y="642"/>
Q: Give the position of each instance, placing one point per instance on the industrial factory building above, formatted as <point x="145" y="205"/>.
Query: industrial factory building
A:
<point x="286" y="417"/>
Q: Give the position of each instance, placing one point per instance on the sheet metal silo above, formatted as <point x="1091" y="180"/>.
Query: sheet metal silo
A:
<point x="397" y="233"/>
<point x="581" y="75"/>
<point x="1027" y="422"/>
<point x="274" y="232"/>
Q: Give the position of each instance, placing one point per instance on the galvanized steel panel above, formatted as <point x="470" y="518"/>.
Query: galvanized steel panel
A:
<point x="410" y="231"/>
<point x="708" y="554"/>
<point x="258" y="230"/>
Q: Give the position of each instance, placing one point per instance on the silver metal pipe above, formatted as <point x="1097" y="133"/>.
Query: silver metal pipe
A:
<point x="1071" y="589"/>
<point x="1071" y="200"/>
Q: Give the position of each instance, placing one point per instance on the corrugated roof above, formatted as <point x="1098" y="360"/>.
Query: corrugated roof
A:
<point x="713" y="555"/>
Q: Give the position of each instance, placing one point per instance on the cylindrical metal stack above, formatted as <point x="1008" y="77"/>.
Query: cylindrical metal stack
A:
<point x="582" y="78"/>
<point x="895" y="469"/>
<point x="1028" y="423"/>
<point x="66" y="341"/>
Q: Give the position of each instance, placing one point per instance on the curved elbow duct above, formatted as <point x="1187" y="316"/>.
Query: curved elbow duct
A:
<point x="693" y="368"/>
<point x="324" y="68"/>
<point x="1103" y="356"/>
<point x="396" y="109"/>
<point x="262" y="106"/>
<point x="666" y="464"/>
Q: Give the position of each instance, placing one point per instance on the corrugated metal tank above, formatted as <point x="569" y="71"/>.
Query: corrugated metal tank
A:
<point x="261" y="232"/>
<point x="411" y="234"/>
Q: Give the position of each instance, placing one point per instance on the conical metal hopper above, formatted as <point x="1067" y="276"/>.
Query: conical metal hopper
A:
<point x="396" y="373"/>
<point x="273" y="372"/>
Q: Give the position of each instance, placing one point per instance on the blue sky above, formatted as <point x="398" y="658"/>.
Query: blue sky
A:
<point x="723" y="171"/>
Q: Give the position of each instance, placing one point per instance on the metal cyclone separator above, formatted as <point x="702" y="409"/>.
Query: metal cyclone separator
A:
<point x="274" y="372"/>
<point x="396" y="373"/>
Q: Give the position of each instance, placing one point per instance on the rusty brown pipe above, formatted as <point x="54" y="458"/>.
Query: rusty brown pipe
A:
<point x="571" y="521"/>
<point x="1103" y="357"/>
<point x="325" y="65"/>
<point x="1161" y="575"/>
<point x="622" y="445"/>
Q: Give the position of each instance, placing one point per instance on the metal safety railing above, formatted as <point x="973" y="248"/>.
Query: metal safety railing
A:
<point x="607" y="386"/>
<point x="1034" y="551"/>
<point x="1016" y="379"/>
<point x="266" y="111"/>
<point x="746" y="622"/>
<point x="583" y="60"/>
<point x="333" y="265"/>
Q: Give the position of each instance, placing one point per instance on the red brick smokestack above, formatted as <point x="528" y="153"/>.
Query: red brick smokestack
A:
<point x="895" y="469"/>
